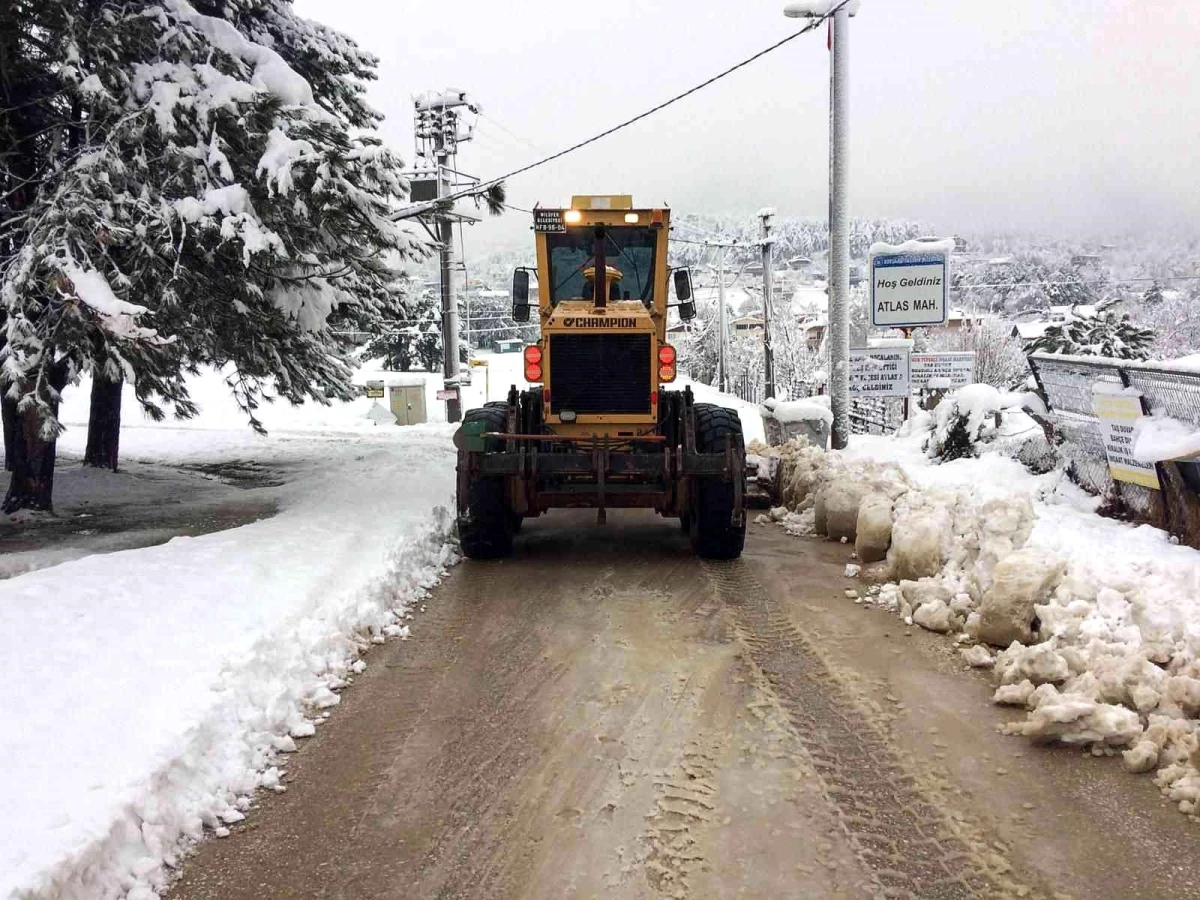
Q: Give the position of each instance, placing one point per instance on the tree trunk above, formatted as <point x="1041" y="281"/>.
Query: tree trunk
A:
<point x="12" y="428"/>
<point x="104" y="422"/>
<point x="32" y="484"/>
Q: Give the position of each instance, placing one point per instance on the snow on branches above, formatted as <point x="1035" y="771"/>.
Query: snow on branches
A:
<point x="215" y="196"/>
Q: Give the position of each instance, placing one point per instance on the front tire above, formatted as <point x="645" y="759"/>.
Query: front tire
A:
<point x="713" y="534"/>
<point x="486" y="530"/>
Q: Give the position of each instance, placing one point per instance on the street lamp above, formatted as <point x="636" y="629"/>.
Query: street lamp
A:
<point x="839" y="230"/>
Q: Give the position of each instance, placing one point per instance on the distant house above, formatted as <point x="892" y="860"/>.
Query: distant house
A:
<point x="960" y="245"/>
<point x="510" y="345"/>
<point x="814" y="329"/>
<point x="1084" y="260"/>
<point x="750" y="324"/>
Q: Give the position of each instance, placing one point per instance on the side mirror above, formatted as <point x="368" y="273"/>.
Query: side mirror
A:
<point x="683" y="292"/>
<point x="520" y="295"/>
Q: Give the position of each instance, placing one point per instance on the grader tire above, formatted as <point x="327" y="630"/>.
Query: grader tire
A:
<point x="486" y="531"/>
<point x="713" y="534"/>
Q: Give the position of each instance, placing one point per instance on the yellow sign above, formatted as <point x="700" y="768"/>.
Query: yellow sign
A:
<point x="375" y="389"/>
<point x="1118" y="414"/>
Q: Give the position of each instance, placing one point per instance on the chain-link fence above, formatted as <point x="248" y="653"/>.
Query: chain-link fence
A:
<point x="1067" y="383"/>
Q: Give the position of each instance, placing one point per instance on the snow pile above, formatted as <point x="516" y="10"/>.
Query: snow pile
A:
<point x="153" y="691"/>
<point x="1096" y="623"/>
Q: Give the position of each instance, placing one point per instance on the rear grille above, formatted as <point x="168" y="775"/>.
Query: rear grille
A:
<point x="600" y="373"/>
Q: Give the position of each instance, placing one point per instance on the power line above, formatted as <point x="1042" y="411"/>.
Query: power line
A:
<point x="512" y="134"/>
<point x="1020" y="284"/>
<point x="812" y="25"/>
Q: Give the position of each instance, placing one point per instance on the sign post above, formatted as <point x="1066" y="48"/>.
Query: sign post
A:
<point x="909" y="290"/>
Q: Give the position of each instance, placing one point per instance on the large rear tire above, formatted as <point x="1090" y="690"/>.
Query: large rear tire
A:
<point x="713" y="534"/>
<point x="486" y="531"/>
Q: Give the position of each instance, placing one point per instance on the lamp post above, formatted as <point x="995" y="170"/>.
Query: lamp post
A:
<point x="839" y="228"/>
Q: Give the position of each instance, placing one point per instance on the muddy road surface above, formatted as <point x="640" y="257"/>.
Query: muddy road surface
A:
<point x="605" y="716"/>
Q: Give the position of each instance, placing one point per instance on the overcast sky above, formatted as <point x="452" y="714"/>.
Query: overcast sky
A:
<point x="1068" y="116"/>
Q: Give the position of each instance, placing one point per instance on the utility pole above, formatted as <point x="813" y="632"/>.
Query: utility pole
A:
<point x="839" y="230"/>
<point x="767" y="243"/>
<point x="722" y="382"/>
<point x="436" y="128"/>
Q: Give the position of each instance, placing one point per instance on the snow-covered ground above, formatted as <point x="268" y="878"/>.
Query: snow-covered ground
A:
<point x="1094" y="623"/>
<point x="152" y="691"/>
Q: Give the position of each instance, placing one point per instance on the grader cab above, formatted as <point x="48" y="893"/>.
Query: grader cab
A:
<point x="597" y="425"/>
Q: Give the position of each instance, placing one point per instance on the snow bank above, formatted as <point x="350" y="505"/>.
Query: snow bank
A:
<point x="1098" y="621"/>
<point x="152" y="692"/>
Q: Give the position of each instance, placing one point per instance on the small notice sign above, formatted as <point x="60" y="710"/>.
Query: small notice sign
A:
<point x="944" y="370"/>
<point x="908" y="290"/>
<point x="1118" y="414"/>
<point x="880" y="372"/>
<point x="375" y="389"/>
<point x="548" y="220"/>
<point x="447" y="394"/>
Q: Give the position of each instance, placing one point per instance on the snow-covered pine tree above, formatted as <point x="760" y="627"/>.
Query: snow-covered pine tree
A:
<point x="1103" y="334"/>
<point x="221" y="210"/>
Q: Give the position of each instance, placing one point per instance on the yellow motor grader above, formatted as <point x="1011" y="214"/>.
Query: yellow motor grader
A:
<point x="597" y="426"/>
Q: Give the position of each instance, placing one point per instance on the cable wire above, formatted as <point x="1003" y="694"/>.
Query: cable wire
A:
<point x="811" y="26"/>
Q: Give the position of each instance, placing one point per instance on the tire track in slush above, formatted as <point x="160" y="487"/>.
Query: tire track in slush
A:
<point x="902" y="840"/>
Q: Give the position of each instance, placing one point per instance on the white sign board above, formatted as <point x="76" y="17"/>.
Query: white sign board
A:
<point x="944" y="370"/>
<point x="879" y="372"/>
<point x="1118" y="414"/>
<point x="447" y="394"/>
<point x="908" y="290"/>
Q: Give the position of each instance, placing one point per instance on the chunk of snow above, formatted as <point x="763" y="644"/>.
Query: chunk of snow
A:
<point x="1021" y="580"/>
<point x="1159" y="438"/>
<point x="93" y="289"/>
<point x="935" y="616"/>
<point x="278" y="159"/>
<point x="979" y="657"/>
<point x="873" y="530"/>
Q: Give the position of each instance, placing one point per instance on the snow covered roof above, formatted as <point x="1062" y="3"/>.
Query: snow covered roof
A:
<point x="920" y="245"/>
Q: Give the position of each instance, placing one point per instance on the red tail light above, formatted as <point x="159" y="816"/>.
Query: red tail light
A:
<point x="533" y="355"/>
<point x="666" y="355"/>
<point x="533" y="372"/>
